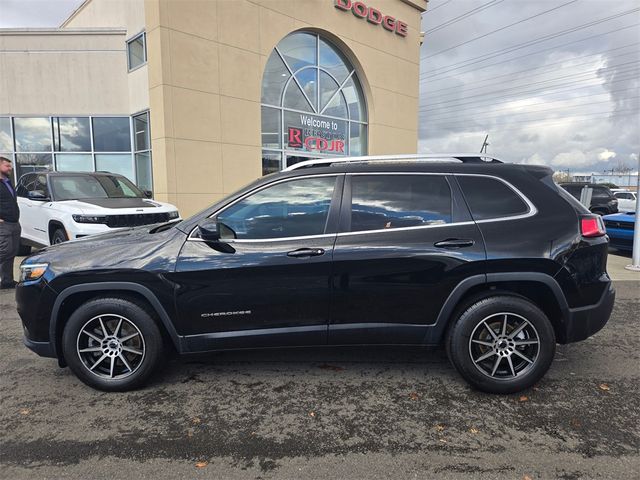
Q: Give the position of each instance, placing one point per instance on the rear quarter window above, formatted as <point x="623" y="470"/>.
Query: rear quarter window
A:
<point x="489" y="198"/>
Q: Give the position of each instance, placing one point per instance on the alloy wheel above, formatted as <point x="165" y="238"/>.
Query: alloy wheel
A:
<point x="110" y="346"/>
<point x="504" y="346"/>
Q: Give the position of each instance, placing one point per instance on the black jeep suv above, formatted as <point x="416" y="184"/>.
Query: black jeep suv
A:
<point x="493" y="260"/>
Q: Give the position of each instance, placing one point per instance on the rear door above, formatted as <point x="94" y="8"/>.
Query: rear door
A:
<point x="405" y="242"/>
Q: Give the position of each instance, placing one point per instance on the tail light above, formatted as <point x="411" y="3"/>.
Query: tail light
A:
<point x="592" y="226"/>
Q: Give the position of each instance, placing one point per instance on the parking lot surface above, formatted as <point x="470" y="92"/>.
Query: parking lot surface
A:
<point x="327" y="413"/>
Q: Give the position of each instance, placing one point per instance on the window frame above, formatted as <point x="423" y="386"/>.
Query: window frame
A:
<point x="331" y="225"/>
<point x="128" y="42"/>
<point x="532" y="210"/>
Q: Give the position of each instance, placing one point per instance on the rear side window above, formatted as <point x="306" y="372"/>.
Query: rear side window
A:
<point x="490" y="198"/>
<point x="381" y="202"/>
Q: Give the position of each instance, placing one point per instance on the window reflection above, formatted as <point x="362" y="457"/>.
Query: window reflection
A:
<point x="111" y="134"/>
<point x="33" y="162"/>
<point x="6" y="142"/>
<point x="116" y="163"/>
<point x="290" y="209"/>
<point x="398" y="201"/>
<point x="32" y="134"/>
<point x="71" y="134"/>
<point x="74" y="162"/>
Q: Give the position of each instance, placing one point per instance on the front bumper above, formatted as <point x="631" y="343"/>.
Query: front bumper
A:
<point x="583" y="322"/>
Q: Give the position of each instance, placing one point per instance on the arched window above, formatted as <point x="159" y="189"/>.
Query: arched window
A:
<point x="312" y="104"/>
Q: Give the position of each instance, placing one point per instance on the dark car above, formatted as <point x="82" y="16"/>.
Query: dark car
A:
<point x="603" y="202"/>
<point x="620" y="228"/>
<point x="492" y="260"/>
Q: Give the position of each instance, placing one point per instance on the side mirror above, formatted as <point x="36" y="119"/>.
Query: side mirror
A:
<point x="38" y="195"/>
<point x="148" y="193"/>
<point x="209" y="230"/>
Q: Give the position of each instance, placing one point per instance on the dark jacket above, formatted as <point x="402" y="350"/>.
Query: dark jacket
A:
<point x="9" y="211"/>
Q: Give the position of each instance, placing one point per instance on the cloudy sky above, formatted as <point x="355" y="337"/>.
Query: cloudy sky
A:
<point x="552" y="81"/>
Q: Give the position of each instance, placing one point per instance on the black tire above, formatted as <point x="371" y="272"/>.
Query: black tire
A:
<point x="58" y="236"/>
<point x="24" y="250"/>
<point x="84" y="331"/>
<point x="488" y="361"/>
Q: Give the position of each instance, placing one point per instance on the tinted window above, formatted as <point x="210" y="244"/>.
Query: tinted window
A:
<point x="290" y="209"/>
<point x="625" y="196"/>
<point x="490" y="198"/>
<point x="111" y="134"/>
<point x="25" y="184"/>
<point x="397" y="201"/>
<point x="79" y="186"/>
<point x="600" y="192"/>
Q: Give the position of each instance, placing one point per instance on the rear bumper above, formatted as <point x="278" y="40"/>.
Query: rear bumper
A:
<point x="44" y="349"/>
<point x="583" y="322"/>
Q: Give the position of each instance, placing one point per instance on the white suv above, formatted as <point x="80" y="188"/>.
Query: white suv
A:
<point x="627" y="200"/>
<point x="60" y="206"/>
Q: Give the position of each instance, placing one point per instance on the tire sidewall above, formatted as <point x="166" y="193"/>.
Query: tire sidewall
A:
<point x="135" y="314"/>
<point x="460" y="334"/>
<point x="58" y="232"/>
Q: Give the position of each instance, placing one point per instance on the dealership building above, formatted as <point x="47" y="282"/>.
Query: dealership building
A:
<point x="194" y="98"/>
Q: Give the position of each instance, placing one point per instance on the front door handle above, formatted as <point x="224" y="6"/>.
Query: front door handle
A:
<point x="455" y="243"/>
<point x="306" y="252"/>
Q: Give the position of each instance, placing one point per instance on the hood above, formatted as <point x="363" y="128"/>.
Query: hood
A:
<point x="100" y="203"/>
<point x="137" y="248"/>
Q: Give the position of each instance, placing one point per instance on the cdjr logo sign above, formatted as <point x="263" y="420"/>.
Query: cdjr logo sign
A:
<point x="374" y="16"/>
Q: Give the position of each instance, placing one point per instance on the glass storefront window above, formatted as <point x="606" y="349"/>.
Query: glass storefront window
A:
<point x="70" y="162"/>
<point x="141" y="131"/>
<point x="71" y="134"/>
<point x="312" y="103"/>
<point x="143" y="171"/>
<point x="111" y="134"/>
<point x="32" y="134"/>
<point x="271" y="162"/>
<point x="6" y="141"/>
<point x="33" y="162"/>
<point x="116" y="163"/>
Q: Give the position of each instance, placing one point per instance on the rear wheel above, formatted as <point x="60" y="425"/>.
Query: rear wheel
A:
<point x="501" y="344"/>
<point x="58" y="236"/>
<point x="112" y="344"/>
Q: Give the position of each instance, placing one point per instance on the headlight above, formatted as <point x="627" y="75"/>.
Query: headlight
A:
<point x="32" y="271"/>
<point x="173" y="215"/>
<point x="89" y="218"/>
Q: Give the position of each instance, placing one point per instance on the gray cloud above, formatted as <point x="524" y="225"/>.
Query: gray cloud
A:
<point x="568" y="102"/>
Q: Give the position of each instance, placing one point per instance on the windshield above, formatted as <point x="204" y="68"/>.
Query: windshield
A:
<point x="74" y="187"/>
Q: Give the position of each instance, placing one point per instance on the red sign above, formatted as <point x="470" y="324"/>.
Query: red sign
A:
<point x="319" y="144"/>
<point x="374" y="16"/>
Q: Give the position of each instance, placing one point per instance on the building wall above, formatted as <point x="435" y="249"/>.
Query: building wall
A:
<point x="123" y="14"/>
<point x="206" y="60"/>
<point x="52" y="72"/>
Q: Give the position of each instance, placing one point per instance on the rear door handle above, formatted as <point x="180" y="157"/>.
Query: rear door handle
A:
<point x="306" y="252"/>
<point x="455" y="243"/>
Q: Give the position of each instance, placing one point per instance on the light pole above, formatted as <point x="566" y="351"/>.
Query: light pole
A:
<point x="635" y="262"/>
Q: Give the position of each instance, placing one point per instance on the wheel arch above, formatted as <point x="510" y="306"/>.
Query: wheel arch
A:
<point x="53" y="225"/>
<point x="72" y="297"/>
<point x="539" y="288"/>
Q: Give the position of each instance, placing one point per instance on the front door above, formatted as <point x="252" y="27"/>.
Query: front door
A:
<point x="267" y="283"/>
<point x="405" y="241"/>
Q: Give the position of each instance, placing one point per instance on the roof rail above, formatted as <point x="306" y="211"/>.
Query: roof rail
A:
<point x="419" y="157"/>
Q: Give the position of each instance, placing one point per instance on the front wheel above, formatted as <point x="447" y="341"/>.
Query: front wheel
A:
<point x="58" y="236"/>
<point x="112" y="344"/>
<point x="501" y="344"/>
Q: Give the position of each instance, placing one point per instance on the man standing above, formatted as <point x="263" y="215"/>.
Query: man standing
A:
<point x="9" y="226"/>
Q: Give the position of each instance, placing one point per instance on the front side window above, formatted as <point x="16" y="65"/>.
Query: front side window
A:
<point x="380" y="202"/>
<point x="294" y="208"/>
<point x="490" y="198"/>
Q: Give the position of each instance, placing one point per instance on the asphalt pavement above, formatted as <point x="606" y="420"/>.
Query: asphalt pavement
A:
<point x="327" y="413"/>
